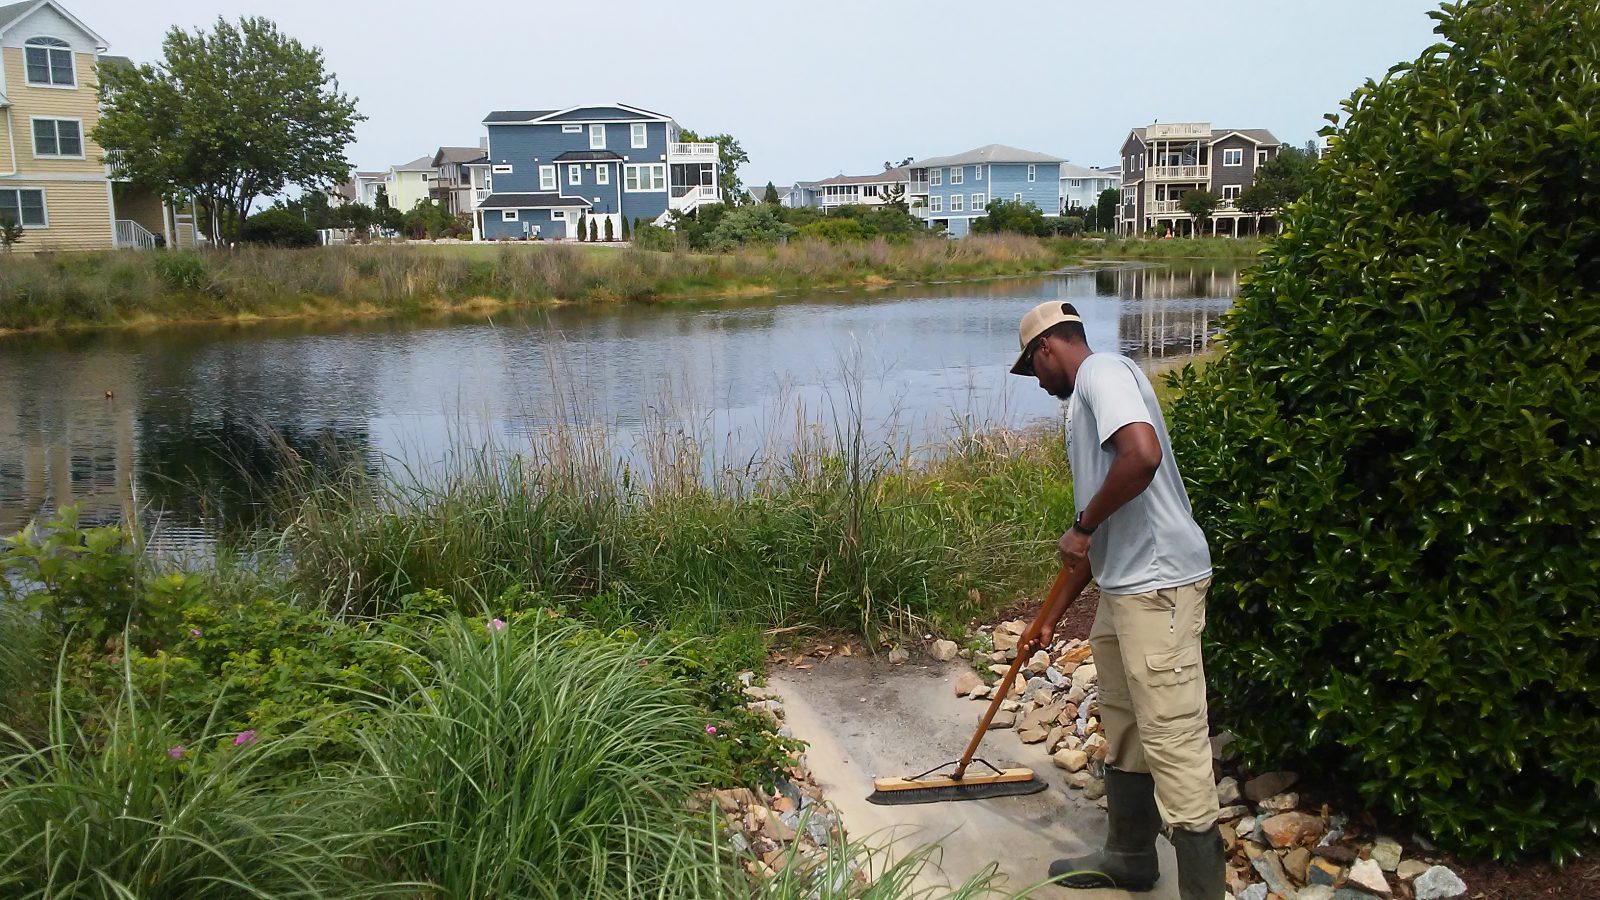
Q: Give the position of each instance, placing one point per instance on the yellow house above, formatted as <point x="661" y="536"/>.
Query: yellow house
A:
<point x="53" y="177"/>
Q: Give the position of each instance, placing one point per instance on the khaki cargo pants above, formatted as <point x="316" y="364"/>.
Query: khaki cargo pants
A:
<point x="1153" y="696"/>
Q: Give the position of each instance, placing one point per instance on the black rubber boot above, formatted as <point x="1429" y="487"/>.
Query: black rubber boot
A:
<point x="1128" y="861"/>
<point x="1200" y="864"/>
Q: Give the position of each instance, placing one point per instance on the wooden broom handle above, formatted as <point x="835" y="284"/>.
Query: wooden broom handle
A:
<point x="1024" y="648"/>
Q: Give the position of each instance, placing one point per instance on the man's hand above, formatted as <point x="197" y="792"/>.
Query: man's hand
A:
<point x="1074" y="546"/>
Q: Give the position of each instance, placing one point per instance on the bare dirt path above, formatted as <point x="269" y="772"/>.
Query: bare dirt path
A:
<point x="864" y="718"/>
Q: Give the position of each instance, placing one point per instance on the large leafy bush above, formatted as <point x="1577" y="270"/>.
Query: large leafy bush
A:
<point x="1395" y="460"/>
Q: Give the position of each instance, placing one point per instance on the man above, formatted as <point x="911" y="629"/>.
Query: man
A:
<point x="1135" y="530"/>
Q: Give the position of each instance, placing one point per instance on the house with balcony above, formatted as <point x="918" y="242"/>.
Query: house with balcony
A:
<point x="53" y="177"/>
<point x="1081" y="187"/>
<point x="451" y="183"/>
<point x="951" y="191"/>
<point x="1161" y="163"/>
<point x="862" y="190"/>
<point x="605" y="163"/>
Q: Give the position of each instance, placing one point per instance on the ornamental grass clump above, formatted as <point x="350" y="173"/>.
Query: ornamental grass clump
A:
<point x="1396" y="461"/>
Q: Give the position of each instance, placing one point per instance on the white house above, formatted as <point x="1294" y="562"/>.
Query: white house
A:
<point x="1081" y="187"/>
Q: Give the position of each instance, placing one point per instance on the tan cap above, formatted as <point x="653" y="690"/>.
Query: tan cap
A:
<point x="1039" y="320"/>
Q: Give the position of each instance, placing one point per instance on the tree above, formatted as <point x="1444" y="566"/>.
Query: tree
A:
<point x="1011" y="216"/>
<point x="730" y="156"/>
<point x="242" y="112"/>
<point x="583" y="226"/>
<point x="280" y="226"/>
<point x="626" y="235"/>
<point x="770" y="195"/>
<point x="10" y="232"/>
<point x="895" y="195"/>
<point x="610" y="236"/>
<point x="594" y="232"/>
<point x="1395" y="457"/>
<point x="904" y="162"/>
<point x="1200" y="204"/>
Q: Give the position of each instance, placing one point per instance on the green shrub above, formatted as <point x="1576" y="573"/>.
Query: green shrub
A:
<point x="182" y="270"/>
<point x="1396" y="457"/>
<point x="835" y="231"/>
<point x="279" y="227"/>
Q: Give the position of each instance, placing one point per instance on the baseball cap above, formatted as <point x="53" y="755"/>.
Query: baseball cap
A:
<point x="1039" y="320"/>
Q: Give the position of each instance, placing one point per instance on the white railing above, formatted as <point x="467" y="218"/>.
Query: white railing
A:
<point x="688" y="196"/>
<point x="1164" y="206"/>
<point x="697" y="151"/>
<point x="133" y="236"/>
<point x="1185" y="172"/>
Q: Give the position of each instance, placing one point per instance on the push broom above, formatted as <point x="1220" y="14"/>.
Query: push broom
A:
<point x="932" y="787"/>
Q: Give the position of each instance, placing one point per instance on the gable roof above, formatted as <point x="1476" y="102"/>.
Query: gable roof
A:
<point x="588" y="156"/>
<point x="516" y="115"/>
<point x="900" y="173"/>
<point x="457" y="155"/>
<point x="593" y="112"/>
<point x="420" y="164"/>
<point x="1256" y="135"/>
<point x="13" y="13"/>
<point x="1068" y="170"/>
<point x="989" y="153"/>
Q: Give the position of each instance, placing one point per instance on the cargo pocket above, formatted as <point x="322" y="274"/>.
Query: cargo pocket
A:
<point x="1172" y="667"/>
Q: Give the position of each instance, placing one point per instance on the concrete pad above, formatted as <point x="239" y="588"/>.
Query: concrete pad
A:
<point x="865" y="719"/>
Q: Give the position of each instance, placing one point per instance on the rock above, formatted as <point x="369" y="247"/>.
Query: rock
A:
<point x="1338" y="853"/>
<point x="1320" y="871"/>
<point x="1261" y="787"/>
<point x="733" y="799"/>
<point x="1044" y="696"/>
<point x="1076" y="654"/>
<point x="1084" y="678"/>
<point x="1032" y="735"/>
<point x="1056" y="678"/>
<point x="982" y="692"/>
<point x="1439" y="883"/>
<point x="967" y="682"/>
<point x="1409" y="869"/>
<point x="1229" y="813"/>
<point x="1077" y="694"/>
<point x="1347" y="893"/>
<point x="1094" y="790"/>
<point x="1296" y="862"/>
<point x="999" y="671"/>
<point x="1071" y="760"/>
<point x="1227" y="791"/>
<point x="1386" y="850"/>
<point x="1229" y="836"/>
<point x="999" y="656"/>
<point x="1291" y="829"/>
<point x="1095" y="740"/>
<point x="1271" y="871"/>
<point x="1238" y="880"/>
<point x="1015" y="626"/>
<point x="1368" y="876"/>
<point x="1278" y="803"/>
<point x="1221" y="746"/>
<point x="760" y="693"/>
<point x="944" y="651"/>
<point x="1080" y="780"/>
<point x="768" y="823"/>
<point x="1039" y="662"/>
<point x="1005" y="640"/>
<point x="1070" y="741"/>
<point x="1257" y="891"/>
<point x="1010" y="706"/>
<point x="1052" y="741"/>
<point x="1315" y="892"/>
<point x="1003" y="719"/>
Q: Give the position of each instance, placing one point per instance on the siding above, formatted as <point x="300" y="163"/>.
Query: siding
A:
<point x="53" y="103"/>
<point x="1242" y="175"/>
<point x="79" y="213"/>
<point x="526" y="147"/>
<point x="496" y="229"/>
<point x="1010" y="179"/>
<point x="140" y="205"/>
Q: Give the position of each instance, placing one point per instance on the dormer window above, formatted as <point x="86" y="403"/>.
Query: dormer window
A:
<point x="49" y="62"/>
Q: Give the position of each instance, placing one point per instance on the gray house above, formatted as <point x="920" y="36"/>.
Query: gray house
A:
<point x="1161" y="163"/>
<point x="548" y="167"/>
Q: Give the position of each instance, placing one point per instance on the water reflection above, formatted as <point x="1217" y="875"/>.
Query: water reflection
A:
<point x="192" y="422"/>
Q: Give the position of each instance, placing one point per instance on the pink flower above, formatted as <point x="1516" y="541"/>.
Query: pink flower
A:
<point x="497" y="625"/>
<point x="194" y="633"/>
<point x="711" y="729"/>
<point x="176" y="751"/>
<point x="244" y="737"/>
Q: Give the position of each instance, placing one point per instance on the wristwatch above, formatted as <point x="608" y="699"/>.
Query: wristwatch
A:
<point x="1078" y="526"/>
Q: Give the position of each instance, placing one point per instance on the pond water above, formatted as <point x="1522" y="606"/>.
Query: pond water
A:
<point x="181" y="420"/>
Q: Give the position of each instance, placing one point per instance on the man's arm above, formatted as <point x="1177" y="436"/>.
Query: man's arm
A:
<point x="1138" y="455"/>
<point x="1056" y="607"/>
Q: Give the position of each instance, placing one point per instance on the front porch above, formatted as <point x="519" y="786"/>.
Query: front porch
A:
<point x="144" y="221"/>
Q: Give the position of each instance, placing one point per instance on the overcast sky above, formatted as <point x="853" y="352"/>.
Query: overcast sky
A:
<point x="821" y="87"/>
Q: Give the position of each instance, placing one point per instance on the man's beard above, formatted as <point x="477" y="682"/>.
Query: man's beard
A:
<point x="1063" y="393"/>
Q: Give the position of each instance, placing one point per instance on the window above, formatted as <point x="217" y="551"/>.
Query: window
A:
<point x="1016" y="198"/>
<point x="1033" y="173"/>
<point x="1230" y="192"/>
<point x="508" y="215"/>
<point x="58" y="137"/>
<point x="644" y="177"/>
<point x="1234" y="157"/>
<point x="935" y="177"/>
<point x="574" y="174"/>
<point x="1075" y="182"/>
<point x="955" y="203"/>
<point x="597" y="137"/>
<point x="977" y="173"/>
<point x="957" y="173"/>
<point x="501" y="170"/>
<point x="870" y="190"/>
<point x="558" y="214"/>
<point x="25" y="207"/>
<point x="936" y="203"/>
<point x="602" y="174"/>
<point x="637" y="137"/>
<point x="1261" y="157"/>
<point x="49" y="62"/>
<point x="977" y="202"/>
<point x="572" y="129"/>
<point x="547" y="178"/>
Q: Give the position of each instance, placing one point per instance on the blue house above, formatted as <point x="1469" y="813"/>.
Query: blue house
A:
<point x="951" y="191"/>
<point x="548" y="167"/>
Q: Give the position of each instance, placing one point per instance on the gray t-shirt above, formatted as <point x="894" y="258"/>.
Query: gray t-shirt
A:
<point x="1152" y="542"/>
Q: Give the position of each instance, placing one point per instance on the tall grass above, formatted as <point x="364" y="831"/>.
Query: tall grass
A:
<point x="49" y="291"/>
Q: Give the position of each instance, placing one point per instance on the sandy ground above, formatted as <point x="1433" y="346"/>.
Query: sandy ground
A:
<point x="866" y="719"/>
